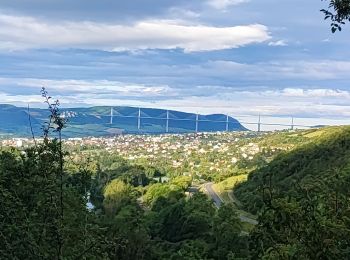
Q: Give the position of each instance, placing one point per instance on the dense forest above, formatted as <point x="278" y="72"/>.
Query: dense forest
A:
<point x="105" y="207"/>
<point x="302" y="198"/>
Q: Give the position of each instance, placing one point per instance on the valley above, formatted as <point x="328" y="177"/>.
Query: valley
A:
<point x="188" y="190"/>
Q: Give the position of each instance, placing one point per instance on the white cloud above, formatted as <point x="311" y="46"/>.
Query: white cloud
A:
<point x="317" y="69"/>
<point x="130" y="90"/>
<point x="278" y="43"/>
<point x="223" y="4"/>
<point x="94" y="87"/>
<point x="176" y="12"/>
<point x="288" y="69"/>
<point x="18" y="32"/>
<point x="300" y="102"/>
<point x="315" y="93"/>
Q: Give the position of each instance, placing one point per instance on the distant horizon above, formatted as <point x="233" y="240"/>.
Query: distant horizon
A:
<point x="211" y="56"/>
<point x="177" y="109"/>
<point x="267" y="121"/>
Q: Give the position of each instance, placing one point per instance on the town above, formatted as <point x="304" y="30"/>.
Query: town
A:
<point x="209" y="156"/>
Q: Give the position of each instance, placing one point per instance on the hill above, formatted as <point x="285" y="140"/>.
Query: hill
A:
<point x="298" y="186"/>
<point x="302" y="199"/>
<point x="96" y="121"/>
<point x="322" y="159"/>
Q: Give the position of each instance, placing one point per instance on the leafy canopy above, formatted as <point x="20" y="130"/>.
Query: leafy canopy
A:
<point x="338" y="12"/>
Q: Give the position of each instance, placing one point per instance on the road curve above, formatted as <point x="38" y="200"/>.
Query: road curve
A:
<point x="215" y="197"/>
<point x="217" y="202"/>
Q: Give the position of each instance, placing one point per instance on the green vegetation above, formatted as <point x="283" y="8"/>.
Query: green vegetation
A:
<point x="207" y="156"/>
<point x="226" y="186"/>
<point x="302" y="198"/>
<point x="34" y="223"/>
<point x="290" y="171"/>
<point x="175" y="227"/>
<point x="338" y="12"/>
<point x="116" y="195"/>
<point x="141" y="200"/>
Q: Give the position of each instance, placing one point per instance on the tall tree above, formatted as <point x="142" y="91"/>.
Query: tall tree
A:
<point x="43" y="212"/>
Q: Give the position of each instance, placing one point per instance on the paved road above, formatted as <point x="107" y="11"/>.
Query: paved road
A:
<point x="248" y="220"/>
<point x="217" y="202"/>
<point x="216" y="199"/>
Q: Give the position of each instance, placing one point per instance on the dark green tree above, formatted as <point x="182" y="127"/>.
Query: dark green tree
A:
<point x="338" y="12"/>
<point x="227" y="230"/>
<point x="43" y="211"/>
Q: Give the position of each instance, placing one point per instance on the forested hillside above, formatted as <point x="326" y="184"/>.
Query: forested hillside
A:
<point x="302" y="198"/>
<point x="325" y="159"/>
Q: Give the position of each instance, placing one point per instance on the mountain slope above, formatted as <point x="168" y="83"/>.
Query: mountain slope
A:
<point x="96" y="121"/>
<point x="302" y="198"/>
<point x="15" y="120"/>
<point x="318" y="167"/>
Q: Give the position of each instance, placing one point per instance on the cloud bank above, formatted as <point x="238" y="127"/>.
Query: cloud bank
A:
<point x="223" y="4"/>
<point x="20" y="32"/>
<point x="299" y="102"/>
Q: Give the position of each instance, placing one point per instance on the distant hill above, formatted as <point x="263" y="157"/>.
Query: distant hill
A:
<point x="96" y="121"/>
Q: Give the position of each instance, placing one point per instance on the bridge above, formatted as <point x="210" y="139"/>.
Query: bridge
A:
<point x="225" y="122"/>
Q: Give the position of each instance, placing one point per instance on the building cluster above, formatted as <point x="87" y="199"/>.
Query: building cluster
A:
<point x="202" y="153"/>
<point x="17" y="142"/>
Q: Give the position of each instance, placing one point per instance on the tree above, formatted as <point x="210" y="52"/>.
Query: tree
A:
<point x="116" y="195"/>
<point x="135" y="176"/>
<point x="289" y="229"/>
<point x="227" y="229"/>
<point x="338" y="12"/>
<point x="182" y="181"/>
<point x="126" y="236"/>
<point x="43" y="211"/>
<point x="158" y="192"/>
<point x="31" y="222"/>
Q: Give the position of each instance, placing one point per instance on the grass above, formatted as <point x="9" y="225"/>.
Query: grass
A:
<point x="247" y="227"/>
<point x="225" y="188"/>
<point x="314" y="134"/>
<point x="222" y="188"/>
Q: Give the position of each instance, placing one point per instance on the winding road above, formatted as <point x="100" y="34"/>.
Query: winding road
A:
<point x="215" y="197"/>
<point x="218" y="201"/>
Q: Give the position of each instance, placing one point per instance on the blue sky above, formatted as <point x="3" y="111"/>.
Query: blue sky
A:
<point x="241" y="57"/>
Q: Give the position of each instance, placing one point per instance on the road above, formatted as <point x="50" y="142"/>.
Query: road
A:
<point x="217" y="202"/>
<point x="215" y="197"/>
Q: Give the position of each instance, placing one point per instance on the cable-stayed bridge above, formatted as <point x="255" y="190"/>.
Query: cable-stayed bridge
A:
<point x="167" y="118"/>
<point x="106" y="120"/>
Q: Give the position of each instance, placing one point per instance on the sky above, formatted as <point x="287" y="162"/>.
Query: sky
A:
<point x="277" y="58"/>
